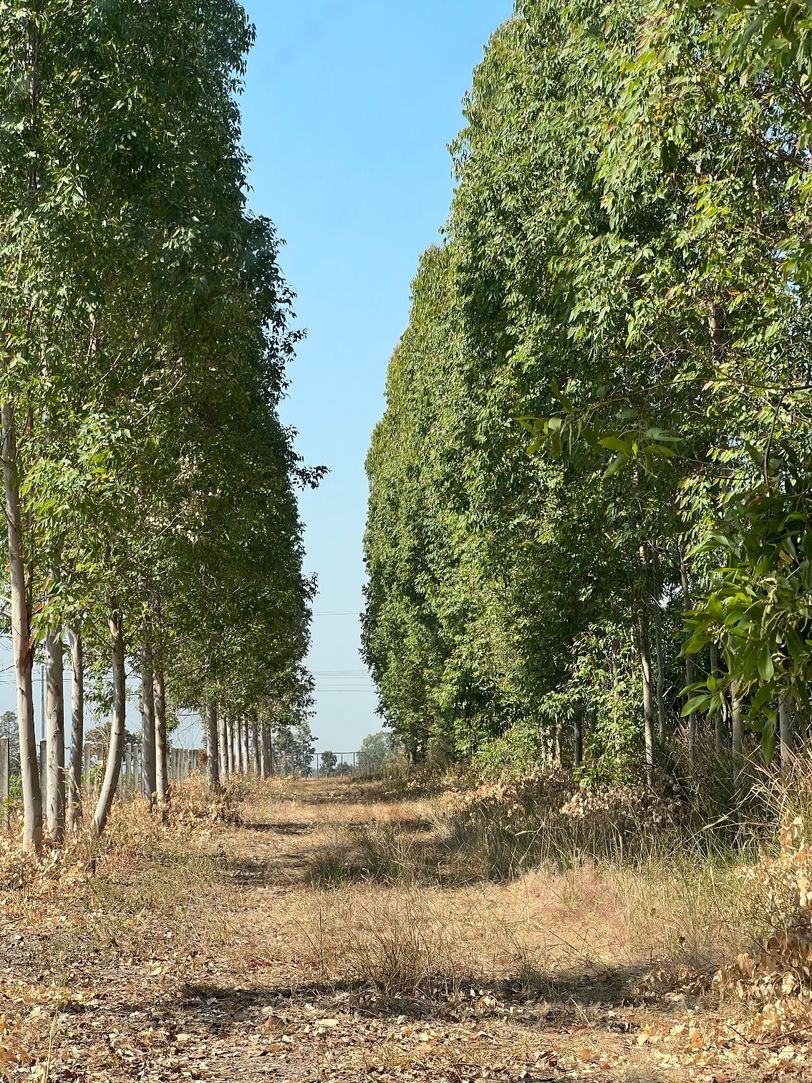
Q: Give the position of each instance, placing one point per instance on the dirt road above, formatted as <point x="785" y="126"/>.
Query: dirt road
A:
<point x="284" y="948"/>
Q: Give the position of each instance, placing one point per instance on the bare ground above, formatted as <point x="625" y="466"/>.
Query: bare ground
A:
<point x="276" y="949"/>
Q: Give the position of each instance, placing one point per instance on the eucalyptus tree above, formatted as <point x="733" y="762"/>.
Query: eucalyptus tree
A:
<point x="138" y="298"/>
<point x="624" y="274"/>
<point x="722" y="304"/>
<point x="509" y="561"/>
<point x="236" y="603"/>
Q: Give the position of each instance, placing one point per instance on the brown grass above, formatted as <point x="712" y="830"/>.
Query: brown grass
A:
<point x="381" y="897"/>
<point x="355" y="906"/>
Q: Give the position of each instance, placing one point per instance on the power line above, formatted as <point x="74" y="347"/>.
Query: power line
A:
<point x="361" y="691"/>
<point x="339" y="673"/>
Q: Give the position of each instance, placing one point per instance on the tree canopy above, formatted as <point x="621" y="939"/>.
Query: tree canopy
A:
<point x="149" y="483"/>
<point x="588" y="525"/>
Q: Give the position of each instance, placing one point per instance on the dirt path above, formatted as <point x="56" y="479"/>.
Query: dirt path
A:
<point x="219" y="958"/>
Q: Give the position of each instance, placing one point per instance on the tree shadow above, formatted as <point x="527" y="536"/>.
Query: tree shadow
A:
<point x="288" y="868"/>
<point x="337" y="791"/>
<point x="536" y="1000"/>
<point x="290" y="827"/>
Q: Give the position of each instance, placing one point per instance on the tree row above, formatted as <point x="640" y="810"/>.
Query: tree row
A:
<point x="589" y="533"/>
<point x="152" y="521"/>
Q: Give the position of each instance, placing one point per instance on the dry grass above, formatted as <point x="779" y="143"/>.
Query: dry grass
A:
<point x="337" y="911"/>
<point x="384" y="897"/>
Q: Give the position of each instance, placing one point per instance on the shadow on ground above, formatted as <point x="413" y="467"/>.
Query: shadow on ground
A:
<point x="290" y="827"/>
<point x="538" y="1000"/>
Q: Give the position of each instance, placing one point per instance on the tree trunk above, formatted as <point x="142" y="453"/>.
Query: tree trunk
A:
<point x="651" y="558"/>
<point x="265" y="749"/>
<point x="644" y="653"/>
<point x="55" y="724"/>
<point x="737" y="721"/>
<point x="149" y="778"/>
<point x="231" y="749"/>
<point x="257" y="749"/>
<point x="660" y="686"/>
<point x="212" y="751"/>
<point x="117" y="724"/>
<point x="77" y="728"/>
<point x="690" y="665"/>
<point x="230" y="757"/>
<point x="161" y="745"/>
<point x="222" y="747"/>
<point x="578" y="738"/>
<point x="21" y="636"/>
<point x="786" y="732"/>
<point x="719" y="727"/>
<point x="235" y="746"/>
<point x="242" y="739"/>
<point x="267" y="744"/>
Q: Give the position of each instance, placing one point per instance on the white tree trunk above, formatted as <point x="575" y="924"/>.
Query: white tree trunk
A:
<point x="245" y="752"/>
<point x="117" y="724"/>
<point x="21" y="636"/>
<point x="257" y="750"/>
<point x="662" y="724"/>
<point x="737" y="720"/>
<point x="719" y="726"/>
<point x="230" y="753"/>
<point x="644" y="653"/>
<point x="77" y="728"/>
<point x="690" y="666"/>
<point x="149" y="781"/>
<point x="55" y="722"/>
<point x="212" y="751"/>
<point x="238" y="750"/>
<point x="230" y="761"/>
<point x="222" y="747"/>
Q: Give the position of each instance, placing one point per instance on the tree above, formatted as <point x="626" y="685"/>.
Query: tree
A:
<point x="329" y="762"/>
<point x="293" y="744"/>
<point x="377" y="749"/>
<point x="625" y="276"/>
<point x="149" y="484"/>
<point x="9" y="730"/>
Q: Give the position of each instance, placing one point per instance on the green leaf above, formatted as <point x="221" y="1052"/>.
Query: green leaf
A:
<point x="766" y="666"/>
<point x="768" y="743"/>
<point x="616" y="465"/>
<point x="696" y="703"/>
<point x="615" y="443"/>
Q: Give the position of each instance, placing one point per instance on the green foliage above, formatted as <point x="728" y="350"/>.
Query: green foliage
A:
<point x="377" y="750"/>
<point x="294" y="746"/>
<point x="626" y="279"/>
<point x="146" y="330"/>
<point x="9" y="730"/>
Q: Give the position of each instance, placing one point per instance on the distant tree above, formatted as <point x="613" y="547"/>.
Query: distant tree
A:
<point x="376" y="750"/>
<point x="294" y="746"/>
<point x="329" y="762"/>
<point x="98" y="740"/>
<point x="8" y="728"/>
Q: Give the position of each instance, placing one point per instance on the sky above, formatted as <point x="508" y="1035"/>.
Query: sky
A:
<point x="348" y="111"/>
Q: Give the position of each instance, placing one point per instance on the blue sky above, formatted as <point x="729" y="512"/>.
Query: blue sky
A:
<point x="349" y="108"/>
